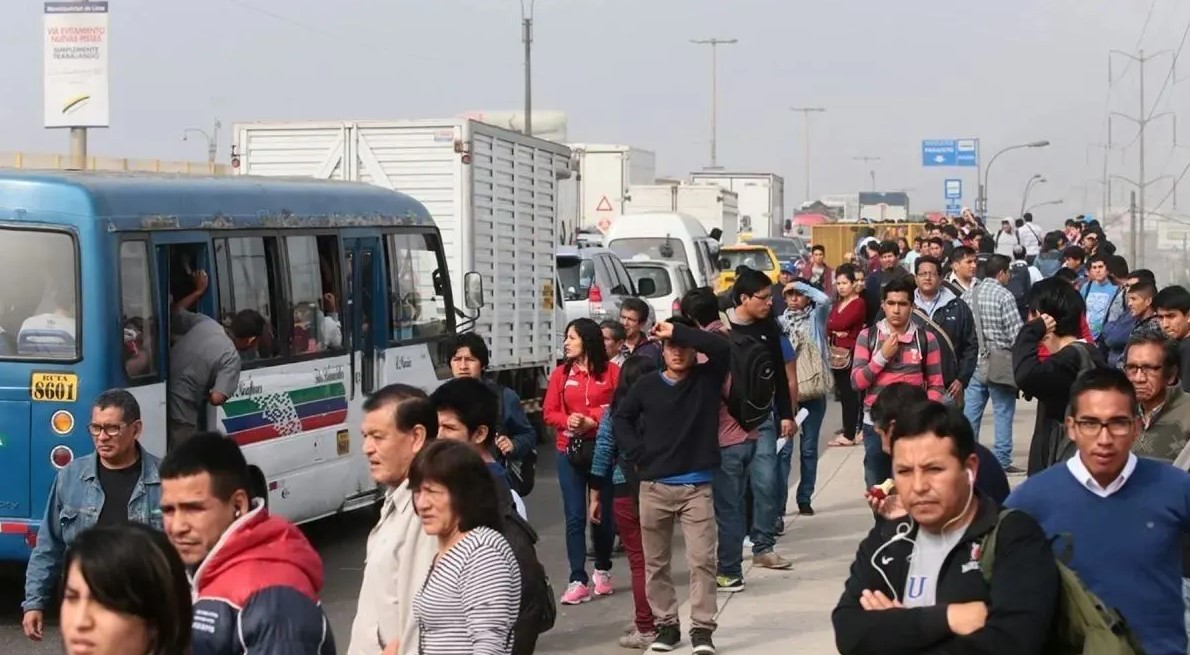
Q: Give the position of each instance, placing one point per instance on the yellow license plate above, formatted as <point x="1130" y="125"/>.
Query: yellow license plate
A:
<point x="54" y="387"/>
<point x="343" y="442"/>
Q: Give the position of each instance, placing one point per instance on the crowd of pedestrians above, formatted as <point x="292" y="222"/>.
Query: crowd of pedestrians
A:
<point x="690" y="424"/>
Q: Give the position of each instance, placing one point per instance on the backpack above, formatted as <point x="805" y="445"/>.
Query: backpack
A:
<point x="537" y="612"/>
<point x="753" y="381"/>
<point x="1019" y="282"/>
<point x="1061" y="446"/>
<point x="1083" y="624"/>
<point x="522" y="473"/>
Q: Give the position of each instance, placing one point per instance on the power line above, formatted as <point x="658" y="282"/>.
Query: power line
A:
<point x="1172" y="67"/>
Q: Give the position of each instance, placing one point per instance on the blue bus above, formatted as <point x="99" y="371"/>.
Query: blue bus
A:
<point x="351" y="279"/>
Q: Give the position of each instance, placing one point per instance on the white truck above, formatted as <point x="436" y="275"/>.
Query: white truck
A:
<point x="594" y="197"/>
<point x="712" y="206"/>
<point x="492" y="193"/>
<point x="761" y="199"/>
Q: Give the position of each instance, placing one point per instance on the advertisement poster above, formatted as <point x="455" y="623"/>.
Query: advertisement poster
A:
<point x="76" y="62"/>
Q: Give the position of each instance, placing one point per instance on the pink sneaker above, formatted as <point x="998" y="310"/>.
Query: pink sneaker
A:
<point x="576" y="593"/>
<point x="602" y="582"/>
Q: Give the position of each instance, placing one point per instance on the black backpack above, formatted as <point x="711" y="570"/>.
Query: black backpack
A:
<point x="538" y="611"/>
<point x="522" y="473"/>
<point x="753" y="381"/>
<point x="1019" y="283"/>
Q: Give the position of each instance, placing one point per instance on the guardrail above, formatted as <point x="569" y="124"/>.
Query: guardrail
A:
<point x="57" y="162"/>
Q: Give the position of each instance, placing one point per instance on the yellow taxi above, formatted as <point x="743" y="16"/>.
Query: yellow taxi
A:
<point x="761" y="258"/>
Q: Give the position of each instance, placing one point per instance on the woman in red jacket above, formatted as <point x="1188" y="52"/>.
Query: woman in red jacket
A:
<point x="579" y="391"/>
<point x="843" y="325"/>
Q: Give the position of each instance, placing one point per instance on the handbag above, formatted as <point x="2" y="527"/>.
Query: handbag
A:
<point x="995" y="366"/>
<point x="813" y="381"/>
<point x="840" y="358"/>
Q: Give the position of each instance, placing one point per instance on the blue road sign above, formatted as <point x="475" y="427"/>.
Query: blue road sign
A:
<point x="953" y="189"/>
<point x="939" y="152"/>
<point x="953" y="209"/>
<point x="949" y="152"/>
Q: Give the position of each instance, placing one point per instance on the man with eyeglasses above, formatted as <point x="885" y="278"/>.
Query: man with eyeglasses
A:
<point x="1125" y="515"/>
<point x="116" y="484"/>
<point x="1151" y="363"/>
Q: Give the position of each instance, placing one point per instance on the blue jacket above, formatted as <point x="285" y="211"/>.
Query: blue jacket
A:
<point x="606" y="460"/>
<point x="822" y="311"/>
<point x="516" y="425"/>
<point x="76" y="499"/>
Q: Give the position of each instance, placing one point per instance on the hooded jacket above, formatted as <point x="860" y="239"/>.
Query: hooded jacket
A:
<point x="1021" y="599"/>
<point x="257" y="592"/>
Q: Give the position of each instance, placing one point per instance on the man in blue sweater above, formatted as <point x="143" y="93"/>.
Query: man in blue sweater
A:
<point x="1126" y="515"/>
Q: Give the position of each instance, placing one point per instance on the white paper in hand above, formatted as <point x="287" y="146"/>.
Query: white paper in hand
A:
<point x="799" y="419"/>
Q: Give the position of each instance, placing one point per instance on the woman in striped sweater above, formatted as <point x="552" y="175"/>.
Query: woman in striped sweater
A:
<point x="470" y="598"/>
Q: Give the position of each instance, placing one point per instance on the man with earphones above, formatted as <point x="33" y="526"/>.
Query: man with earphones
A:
<point x="916" y="584"/>
<point x="255" y="578"/>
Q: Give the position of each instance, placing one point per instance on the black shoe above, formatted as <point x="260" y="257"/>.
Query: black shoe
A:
<point x="668" y="638"/>
<point x="804" y="509"/>
<point x="1013" y="470"/>
<point x="700" y="640"/>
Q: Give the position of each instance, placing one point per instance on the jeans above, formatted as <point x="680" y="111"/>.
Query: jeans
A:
<point x="628" y="525"/>
<point x="811" y="430"/>
<point x="784" y="466"/>
<point x="877" y="463"/>
<point x="728" y="488"/>
<point x="763" y="479"/>
<point x="574" y="506"/>
<point x="975" y="399"/>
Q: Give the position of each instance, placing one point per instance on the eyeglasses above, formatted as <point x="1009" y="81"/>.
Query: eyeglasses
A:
<point x="927" y="274"/>
<point x="111" y="430"/>
<point x="1116" y="427"/>
<point x="1148" y="370"/>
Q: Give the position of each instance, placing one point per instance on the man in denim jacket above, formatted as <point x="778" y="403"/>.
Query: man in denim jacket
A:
<point x="116" y="484"/>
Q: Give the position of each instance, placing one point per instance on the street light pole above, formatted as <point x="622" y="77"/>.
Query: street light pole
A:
<point x="987" y="171"/>
<point x="212" y="139"/>
<point x="865" y="159"/>
<point x="1029" y="185"/>
<point x="714" y="43"/>
<point x="1047" y="203"/>
<point x="806" y="111"/>
<point x="527" y="41"/>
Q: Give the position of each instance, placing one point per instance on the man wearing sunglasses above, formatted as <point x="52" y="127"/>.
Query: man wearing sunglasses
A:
<point x="116" y="484"/>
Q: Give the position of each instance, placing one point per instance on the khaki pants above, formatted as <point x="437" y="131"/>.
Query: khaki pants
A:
<point x="694" y="508"/>
<point x="178" y="432"/>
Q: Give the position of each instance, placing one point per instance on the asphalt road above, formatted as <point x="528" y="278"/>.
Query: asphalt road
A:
<point x="340" y="540"/>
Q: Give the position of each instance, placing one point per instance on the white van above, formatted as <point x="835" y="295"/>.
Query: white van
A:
<point x="667" y="236"/>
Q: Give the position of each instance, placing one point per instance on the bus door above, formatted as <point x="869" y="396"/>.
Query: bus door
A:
<point x="179" y="256"/>
<point x="366" y="302"/>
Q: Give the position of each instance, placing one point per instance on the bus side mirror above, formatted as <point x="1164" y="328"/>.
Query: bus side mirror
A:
<point x="472" y="290"/>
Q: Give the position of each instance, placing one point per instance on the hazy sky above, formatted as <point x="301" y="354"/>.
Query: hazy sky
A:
<point x="889" y="74"/>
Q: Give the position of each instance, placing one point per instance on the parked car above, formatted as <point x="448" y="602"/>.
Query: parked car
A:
<point x="592" y="282"/>
<point x="660" y="283"/>
<point x="756" y="257"/>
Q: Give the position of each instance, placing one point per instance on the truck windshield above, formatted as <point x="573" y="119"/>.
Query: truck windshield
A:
<point x="38" y="302"/>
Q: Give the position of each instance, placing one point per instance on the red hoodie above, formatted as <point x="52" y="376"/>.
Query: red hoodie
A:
<point x="577" y="391"/>
<point x="257" y="592"/>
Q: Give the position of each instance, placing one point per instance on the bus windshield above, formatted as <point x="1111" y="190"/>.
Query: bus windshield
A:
<point x="39" y="304"/>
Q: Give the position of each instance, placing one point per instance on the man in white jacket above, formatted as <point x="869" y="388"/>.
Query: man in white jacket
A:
<point x="398" y="421"/>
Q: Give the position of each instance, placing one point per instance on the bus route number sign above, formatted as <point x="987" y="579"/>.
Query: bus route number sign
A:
<point x="54" y="387"/>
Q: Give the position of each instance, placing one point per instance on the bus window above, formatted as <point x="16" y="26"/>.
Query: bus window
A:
<point x="249" y="266"/>
<point x="38" y="315"/>
<point x="418" y="286"/>
<point x="137" y="318"/>
<point x="312" y="282"/>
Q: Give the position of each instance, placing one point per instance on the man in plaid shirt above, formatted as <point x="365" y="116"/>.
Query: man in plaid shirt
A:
<point x="997" y="322"/>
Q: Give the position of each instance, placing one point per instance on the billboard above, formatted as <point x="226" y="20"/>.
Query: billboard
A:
<point x="75" y="66"/>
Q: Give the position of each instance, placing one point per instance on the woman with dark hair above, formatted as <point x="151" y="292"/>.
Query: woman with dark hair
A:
<point x="125" y="592"/>
<point x="578" y="394"/>
<point x="1055" y="322"/>
<point x="843" y="325"/>
<point x="606" y="475"/>
<point x="469" y="601"/>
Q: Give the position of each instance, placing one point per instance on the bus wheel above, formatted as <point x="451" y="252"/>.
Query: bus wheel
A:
<point x="260" y="488"/>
